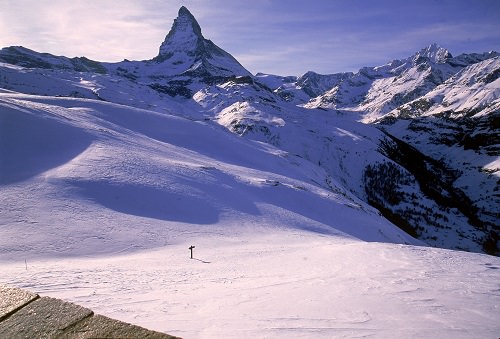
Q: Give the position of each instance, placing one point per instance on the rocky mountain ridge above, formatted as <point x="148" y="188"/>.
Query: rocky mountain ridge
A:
<point x="374" y="91"/>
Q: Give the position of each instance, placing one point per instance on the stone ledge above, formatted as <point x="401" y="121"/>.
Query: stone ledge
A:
<point x="12" y="299"/>
<point x="24" y="314"/>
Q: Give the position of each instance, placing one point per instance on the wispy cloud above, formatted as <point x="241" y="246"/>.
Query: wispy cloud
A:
<point x="92" y="28"/>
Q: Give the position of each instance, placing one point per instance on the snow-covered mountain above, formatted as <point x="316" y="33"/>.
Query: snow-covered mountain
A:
<point x="299" y="192"/>
<point x="418" y="114"/>
<point x="374" y="91"/>
<point x="472" y="92"/>
<point x="454" y="134"/>
<point x="440" y="117"/>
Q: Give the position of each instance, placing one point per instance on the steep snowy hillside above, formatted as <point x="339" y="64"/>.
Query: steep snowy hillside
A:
<point x="441" y="183"/>
<point x="454" y="156"/>
<point x="68" y="161"/>
<point x="413" y="188"/>
<point x="100" y="203"/>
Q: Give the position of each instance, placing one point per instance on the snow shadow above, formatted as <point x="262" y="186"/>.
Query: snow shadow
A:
<point x="149" y="202"/>
<point x="31" y="145"/>
<point x="225" y="190"/>
<point x="327" y="217"/>
<point x="202" y="261"/>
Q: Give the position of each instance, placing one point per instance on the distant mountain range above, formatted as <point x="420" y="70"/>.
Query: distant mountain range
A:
<point x="417" y="138"/>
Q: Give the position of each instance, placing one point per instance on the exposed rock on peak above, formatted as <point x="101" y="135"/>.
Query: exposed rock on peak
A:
<point x="434" y="53"/>
<point x="185" y="35"/>
<point x="187" y="52"/>
<point x="184" y="12"/>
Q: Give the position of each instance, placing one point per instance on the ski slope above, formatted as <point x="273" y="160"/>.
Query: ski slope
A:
<point x="66" y="159"/>
<point x="280" y="284"/>
<point x="100" y="202"/>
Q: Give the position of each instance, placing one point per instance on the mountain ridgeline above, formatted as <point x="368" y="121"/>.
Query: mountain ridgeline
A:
<point x="417" y="138"/>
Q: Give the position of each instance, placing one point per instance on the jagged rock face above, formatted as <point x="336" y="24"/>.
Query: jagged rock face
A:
<point x="185" y="51"/>
<point x="184" y="38"/>
<point x="434" y="53"/>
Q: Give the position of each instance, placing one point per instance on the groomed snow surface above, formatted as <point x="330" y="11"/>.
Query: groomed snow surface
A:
<point x="99" y="203"/>
<point x="281" y="284"/>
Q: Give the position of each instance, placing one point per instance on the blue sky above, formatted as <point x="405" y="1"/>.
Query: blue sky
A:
<point x="287" y="37"/>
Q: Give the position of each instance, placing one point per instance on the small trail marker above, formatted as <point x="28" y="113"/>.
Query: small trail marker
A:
<point x="191" y="249"/>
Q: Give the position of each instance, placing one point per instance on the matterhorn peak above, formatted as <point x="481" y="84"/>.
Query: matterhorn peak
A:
<point x="185" y="35"/>
<point x="185" y="51"/>
<point x="188" y="20"/>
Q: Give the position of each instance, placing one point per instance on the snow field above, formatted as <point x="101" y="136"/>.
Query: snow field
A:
<point x="278" y="284"/>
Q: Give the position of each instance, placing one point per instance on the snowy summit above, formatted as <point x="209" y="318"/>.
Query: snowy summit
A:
<point x="323" y="205"/>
